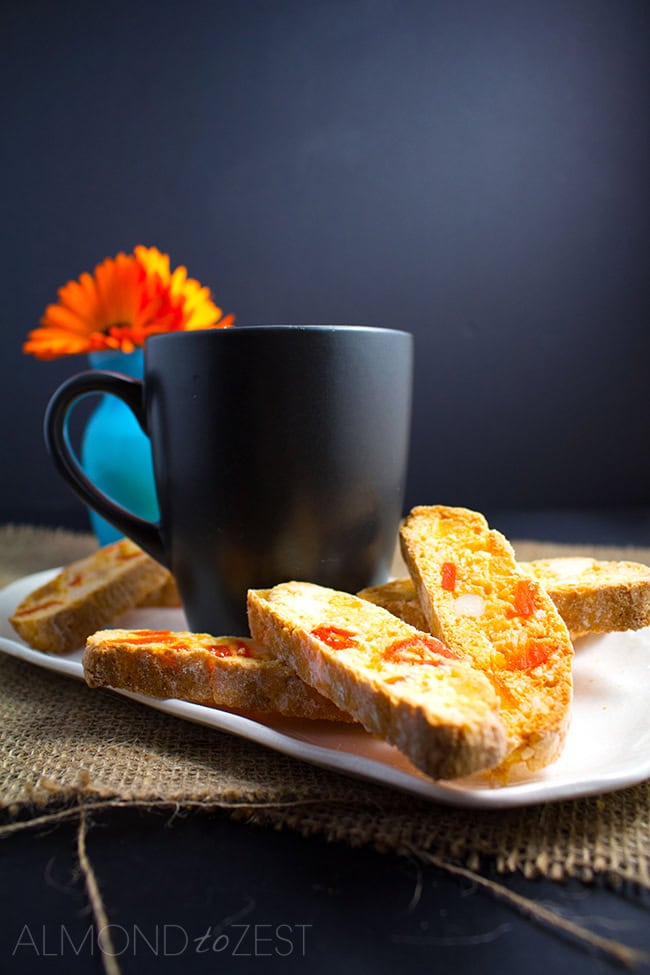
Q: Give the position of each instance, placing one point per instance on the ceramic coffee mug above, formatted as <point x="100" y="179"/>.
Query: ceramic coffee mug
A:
<point x="279" y="453"/>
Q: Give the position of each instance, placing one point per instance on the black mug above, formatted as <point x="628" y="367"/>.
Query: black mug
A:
<point x="279" y="454"/>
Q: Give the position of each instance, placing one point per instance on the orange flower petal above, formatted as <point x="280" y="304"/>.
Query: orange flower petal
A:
<point x="205" y="316"/>
<point x="76" y="295"/>
<point x="127" y="298"/>
<point x="58" y="316"/>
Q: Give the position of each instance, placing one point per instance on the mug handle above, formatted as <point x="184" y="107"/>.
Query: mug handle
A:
<point x="144" y="533"/>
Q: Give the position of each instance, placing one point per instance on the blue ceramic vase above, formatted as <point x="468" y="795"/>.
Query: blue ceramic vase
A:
<point x="115" y="453"/>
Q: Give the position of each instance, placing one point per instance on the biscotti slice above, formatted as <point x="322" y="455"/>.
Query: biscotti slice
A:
<point x="593" y="596"/>
<point x="85" y="596"/>
<point x="400" y="684"/>
<point x="476" y="599"/>
<point x="229" y="672"/>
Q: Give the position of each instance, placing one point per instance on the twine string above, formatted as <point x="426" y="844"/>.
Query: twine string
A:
<point x="107" y="948"/>
<point x="618" y="952"/>
<point x="207" y="805"/>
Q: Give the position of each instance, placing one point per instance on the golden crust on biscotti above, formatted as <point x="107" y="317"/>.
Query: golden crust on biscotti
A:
<point x="85" y="596"/>
<point x="396" y="681"/>
<point x="594" y="596"/>
<point x="228" y="672"/>
<point x="475" y="599"/>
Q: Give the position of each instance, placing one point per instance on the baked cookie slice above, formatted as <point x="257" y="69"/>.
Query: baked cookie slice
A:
<point x="86" y="595"/>
<point x="595" y="596"/>
<point x="591" y="596"/>
<point x="227" y="672"/>
<point x="476" y="599"/>
<point x="400" y="684"/>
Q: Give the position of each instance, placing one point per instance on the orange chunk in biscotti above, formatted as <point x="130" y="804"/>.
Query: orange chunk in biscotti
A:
<point x="227" y="672"/>
<point x="476" y="599"/>
<point x="399" y="683"/>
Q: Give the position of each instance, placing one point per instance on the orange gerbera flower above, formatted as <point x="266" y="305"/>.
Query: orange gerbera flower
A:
<point x="128" y="298"/>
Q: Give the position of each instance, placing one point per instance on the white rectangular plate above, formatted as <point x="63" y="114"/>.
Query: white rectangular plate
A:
<point x="607" y="748"/>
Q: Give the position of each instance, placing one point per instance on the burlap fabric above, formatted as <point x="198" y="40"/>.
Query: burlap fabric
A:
<point x="62" y="744"/>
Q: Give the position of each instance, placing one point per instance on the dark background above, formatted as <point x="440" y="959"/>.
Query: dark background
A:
<point x="474" y="172"/>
